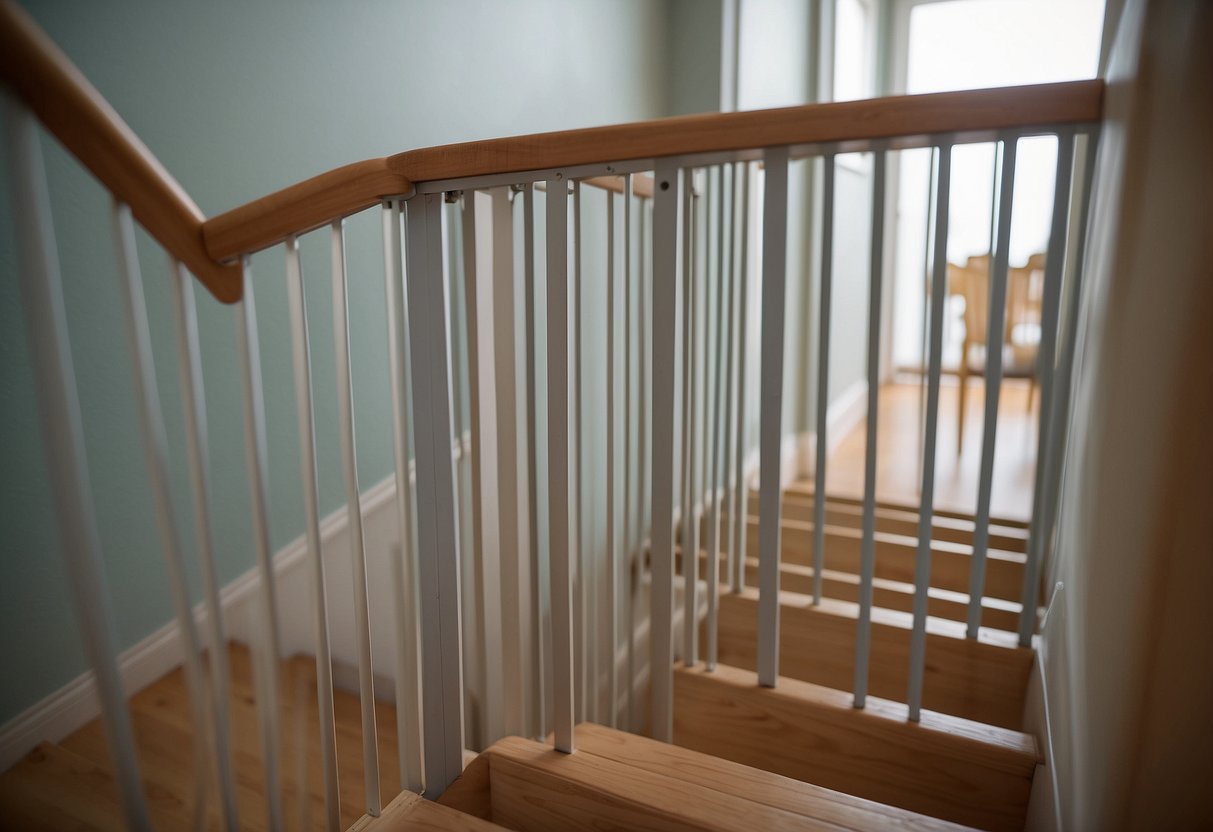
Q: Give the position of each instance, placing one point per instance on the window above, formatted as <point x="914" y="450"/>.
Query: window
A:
<point x="853" y="50"/>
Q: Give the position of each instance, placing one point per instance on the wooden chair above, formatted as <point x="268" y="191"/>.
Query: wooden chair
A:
<point x="1021" y="336"/>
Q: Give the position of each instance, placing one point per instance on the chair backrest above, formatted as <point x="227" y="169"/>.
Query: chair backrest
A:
<point x="1025" y="285"/>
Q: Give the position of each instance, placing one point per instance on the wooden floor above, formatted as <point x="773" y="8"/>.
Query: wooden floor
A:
<point x="898" y="442"/>
<point x="164" y="737"/>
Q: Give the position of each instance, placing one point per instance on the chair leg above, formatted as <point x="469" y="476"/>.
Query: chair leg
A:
<point x="960" y="407"/>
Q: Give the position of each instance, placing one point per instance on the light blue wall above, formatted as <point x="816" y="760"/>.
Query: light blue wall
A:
<point x="238" y="99"/>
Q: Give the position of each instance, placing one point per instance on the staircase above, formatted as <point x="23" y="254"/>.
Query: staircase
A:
<point x="799" y="755"/>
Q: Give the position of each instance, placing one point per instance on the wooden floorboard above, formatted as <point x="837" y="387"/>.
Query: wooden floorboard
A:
<point x="942" y="766"/>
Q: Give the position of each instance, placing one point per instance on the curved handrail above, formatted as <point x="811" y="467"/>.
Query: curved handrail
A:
<point x="906" y="119"/>
<point x="38" y="72"/>
<point x="75" y="113"/>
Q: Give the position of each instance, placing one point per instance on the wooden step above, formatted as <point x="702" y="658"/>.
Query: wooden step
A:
<point x="942" y="766"/>
<point x="616" y="780"/>
<point x="412" y="812"/>
<point x="982" y="679"/>
<point x="895" y="558"/>
<point x="797" y="506"/>
<point x="805" y="488"/>
<point x="53" y="789"/>
<point x="894" y="595"/>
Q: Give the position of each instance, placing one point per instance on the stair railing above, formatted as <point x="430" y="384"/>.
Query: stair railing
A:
<point x="528" y="448"/>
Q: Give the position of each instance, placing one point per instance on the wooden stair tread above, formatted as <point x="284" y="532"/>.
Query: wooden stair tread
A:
<point x="806" y="488"/>
<point x="982" y="679"/>
<point x="997" y="614"/>
<point x="414" y="813"/>
<point x="535" y="787"/>
<point x="943" y="766"/>
<point x="748" y="783"/>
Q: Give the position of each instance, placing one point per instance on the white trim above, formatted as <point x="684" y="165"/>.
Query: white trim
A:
<point x="1044" y="804"/>
<point x="76" y="703"/>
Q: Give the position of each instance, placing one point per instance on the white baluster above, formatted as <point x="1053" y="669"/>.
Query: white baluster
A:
<point x="822" y="385"/>
<point x="741" y="486"/>
<point x="922" y="562"/>
<point x="257" y="466"/>
<point x="189" y="369"/>
<point x="353" y="513"/>
<point x="560" y="534"/>
<point x="302" y="363"/>
<point x="714" y="451"/>
<point x="689" y="535"/>
<point x="867" y="556"/>
<point x="63" y="443"/>
<point x="612" y="524"/>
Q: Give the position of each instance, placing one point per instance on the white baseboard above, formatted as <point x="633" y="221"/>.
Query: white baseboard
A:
<point x="1044" y="801"/>
<point x="76" y="703"/>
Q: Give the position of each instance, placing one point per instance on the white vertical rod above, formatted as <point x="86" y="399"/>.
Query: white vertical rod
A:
<point x="689" y="534"/>
<point x="612" y="538"/>
<point x="823" y="370"/>
<point x="774" y="291"/>
<point x="189" y="369"/>
<point x="1059" y="427"/>
<point x="932" y="179"/>
<point x="644" y="473"/>
<point x="1048" y="441"/>
<point x="667" y="325"/>
<point x="428" y="306"/>
<point x="922" y="562"/>
<point x="404" y="578"/>
<point x="741" y="486"/>
<point x="623" y="568"/>
<point x="301" y="355"/>
<point x="256" y="458"/>
<point x="353" y="514"/>
<point x="867" y="556"/>
<point x="729" y="475"/>
<point x="155" y="445"/>
<point x="63" y="444"/>
<point x="584" y="597"/>
<point x="479" y="304"/>
<point x="559" y="514"/>
<point x="714" y="450"/>
<point x="995" y="335"/>
<point x="538" y="708"/>
<point x="512" y="599"/>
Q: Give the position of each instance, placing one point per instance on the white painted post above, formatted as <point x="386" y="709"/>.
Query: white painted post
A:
<point x="404" y="577"/>
<point x="741" y="487"/>
<point x="774" y="291"/>
<point x="612" y="520"/>
<point x="437" y="514"/>
<point x="713" y="452"/>
<point x="667" y="361"/>
<point x="559" y="511"/>
<point x="823" y="371"/>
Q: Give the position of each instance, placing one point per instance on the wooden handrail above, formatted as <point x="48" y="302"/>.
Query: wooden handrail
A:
<point x="38" y="72"/>
<point x="909" y="118"/>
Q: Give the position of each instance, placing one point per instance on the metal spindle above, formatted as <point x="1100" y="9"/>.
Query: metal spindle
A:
<point x="427" y="304"/>
<point x="867" y="557"/>
<point x="729" y="477"/>
<point x="538" y="710"/>
<point x="741" y="485"/>
<point x="257" y="466"/>
<point x="353" y="513"/>
<point x="155" y="445"/>
<point x="823" y="371"/>
<point x="63" y="444"/>
<point x="189" y="368"/>
<point x="995" y="333"/>
<point x="689" y="536"/>
<point x="612" y="568"/>
<point x="301" y="359"/>
<point x="1048" y="443"/>
<point x="713" y="452"/>
<point x="774" y="292"/>
<point x="667" y="237"/>
<point x="404" y="576"/>
<point x="559" y="514"/>
<point x="922" y="562"/>
<point x="623" y="570"/>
